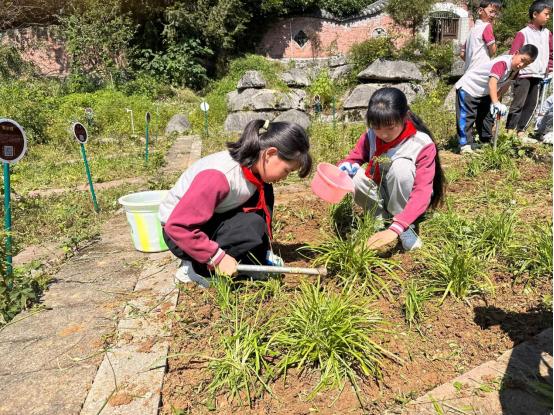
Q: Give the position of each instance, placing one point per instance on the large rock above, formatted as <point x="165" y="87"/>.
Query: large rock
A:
<point x="236" y="121"/>
<point x="251" y="79"/>
<point x="337" y="61"/>
<point x="381" y="70"/>
<point x="450" y="100"/>
<point x="359" y="97"/>
<point x="341" y="72"/>
<point x="179" y="123"/>
<point x="265" y="100"/>
<point x="296" y="78"/>
<point x="457" y="70"/>
<point x="298" y="117"/>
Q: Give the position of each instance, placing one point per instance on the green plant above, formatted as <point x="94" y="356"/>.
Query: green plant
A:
<point x="350" y="259"/>
<point x="533" y="257"/>
<point x="415" y="296"/>
<point x="363" y="53"/>
<point x="242" y="370"/>
<point x="453" y="269"/>
<point x="409" y="14"/>
<point x="333" y="332"/>
<point x="342" y="215"/>
<point x="494" y="233"/>
<point x="324" y="87"/>
<point x="501" y="158"/>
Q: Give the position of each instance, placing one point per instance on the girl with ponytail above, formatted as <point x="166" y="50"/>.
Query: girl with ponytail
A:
<point x="219" y="211"/>
<point x="408" y="181"/>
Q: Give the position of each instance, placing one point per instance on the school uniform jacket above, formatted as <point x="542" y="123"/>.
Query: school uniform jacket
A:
<point x="476" y="81"/>
<point x="421" y="150"/>
<point x="477" y="44"/>
<point x="542" y="39"/>
<point x="213" y="184"/>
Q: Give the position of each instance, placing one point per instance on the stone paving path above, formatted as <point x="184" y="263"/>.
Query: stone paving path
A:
<point x="106" y="301"/>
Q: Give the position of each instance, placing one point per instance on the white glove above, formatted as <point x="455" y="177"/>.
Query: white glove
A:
<point x="499" y="108"/>
<point x="273" y="260"/>
<point x="547" y="79"/>
<point x="349" y="168"/>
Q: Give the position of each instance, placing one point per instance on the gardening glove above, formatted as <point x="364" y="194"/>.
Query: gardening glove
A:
<point x="349" y="168"/>
<point x="499" y="108"/>
<point x="273" y="260"/>
<point x="547" y="79"/>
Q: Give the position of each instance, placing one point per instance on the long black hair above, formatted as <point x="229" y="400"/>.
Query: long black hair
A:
<point x="389" y="106"/>
<point x="290" y="140"/>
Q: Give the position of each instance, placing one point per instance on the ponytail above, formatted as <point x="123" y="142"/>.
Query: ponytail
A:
<point x="290" y="139"/>
<point x="438" y="179"/>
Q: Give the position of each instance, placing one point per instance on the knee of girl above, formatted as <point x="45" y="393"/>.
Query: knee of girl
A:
<point x="401" y="174"/>
<point x="255" y="222"/>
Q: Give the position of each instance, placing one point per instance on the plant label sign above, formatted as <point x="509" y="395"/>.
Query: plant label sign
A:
<point x="13" y="143"/>
<point x="79" y="132"/>
<point x="147" y="117"/>
<point x="204" y="106"/>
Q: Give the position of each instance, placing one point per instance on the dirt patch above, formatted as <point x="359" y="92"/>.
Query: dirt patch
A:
<point x="69" y="330"/>
<point x="453" y="338"/>
<point x="121" y="398"/>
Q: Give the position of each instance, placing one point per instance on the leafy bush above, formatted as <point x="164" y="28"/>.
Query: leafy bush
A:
<point x="363" y="53"/>
<point x="12" y="66"/>
<point x="323" y="86"/>
<point x="332" y="332"/>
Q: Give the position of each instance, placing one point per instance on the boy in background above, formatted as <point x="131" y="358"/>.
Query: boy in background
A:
<point x="526" y="86"/>
<point x="480" y="46"/>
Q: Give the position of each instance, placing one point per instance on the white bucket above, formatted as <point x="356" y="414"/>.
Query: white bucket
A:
<point x="142" y="214"/>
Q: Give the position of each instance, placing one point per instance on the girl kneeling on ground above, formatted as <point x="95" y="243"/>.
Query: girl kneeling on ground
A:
<point x="403" y="177"/>
<point x="219" y="211"/>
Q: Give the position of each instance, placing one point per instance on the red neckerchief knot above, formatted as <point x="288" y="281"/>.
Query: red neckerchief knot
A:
<point x="261" y="205"/>
<point x="382" y="147"/>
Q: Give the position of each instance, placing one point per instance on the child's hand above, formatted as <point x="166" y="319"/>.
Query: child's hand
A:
<point x="382" y="239"/>
<point x="349" y="168"/>
<point x="228" y="265"/>
<point x="499" y="108"/>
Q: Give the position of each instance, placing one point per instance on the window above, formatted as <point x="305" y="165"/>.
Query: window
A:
<point x="301" y="38"/>
<point x="443" y="26"/>
<point x="379" y="32"/>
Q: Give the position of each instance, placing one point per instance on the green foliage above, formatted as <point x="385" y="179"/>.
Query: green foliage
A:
<point x="438" y="57"/>
<point x="333" y="332"/>
<point x="323" y="86"/>
<point x="500" y="159"/>
<point x="514" y="17"/>
<point x="350" y="259"/>
<point x="452" y="268"/>
<point x="441" y="123"/>
<point x="242" y="369"/>
<point x="12" y="66"/>
<point x="494" y="233"/>
<point x="97" y="37"/>
<point x="415" y="296"/>
<point x="178" y="65"/>
<point x="364" y="53"/>
<point x="531" y="258"/>
<point x="410" y="14"/>
<point x="332" y="143"/>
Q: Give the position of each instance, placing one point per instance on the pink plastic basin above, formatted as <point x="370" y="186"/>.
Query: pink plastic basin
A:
<point x="330" y="183"/>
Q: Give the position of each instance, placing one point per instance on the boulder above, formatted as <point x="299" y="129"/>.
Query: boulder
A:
<point x="337" y="61"/>
<point x="265" y="100"/>
<point x="296" y="78"/>
<point x="236" y="121"/>
<point x="296" y="116"/>
<point x="179" y="123"/>
<point x="341" y="72"/>
<point x="382" y="70"/>
<point x="457" y="70"/>
<point x="450" y="100"/>
<point x="251" y="79"/>
<point x="359" y="97"/>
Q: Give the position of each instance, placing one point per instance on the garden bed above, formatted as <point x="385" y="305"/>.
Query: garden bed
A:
<point x="451" y="338"/>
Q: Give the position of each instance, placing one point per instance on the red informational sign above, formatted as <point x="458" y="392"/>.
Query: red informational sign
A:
<point x="13" y="143"/>
<point x="79" y="132"/>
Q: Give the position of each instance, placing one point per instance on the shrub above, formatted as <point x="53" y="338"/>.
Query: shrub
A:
<point x="363" y="53"/>
<point x="323" y="86"/>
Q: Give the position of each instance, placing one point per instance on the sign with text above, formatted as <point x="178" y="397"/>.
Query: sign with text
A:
<point x="79" y="132"/>
<point x="204" y="106"/>
<point x="13" y="143"/>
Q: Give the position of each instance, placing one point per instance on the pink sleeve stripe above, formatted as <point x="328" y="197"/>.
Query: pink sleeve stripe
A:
<point x="216" y="259"/>
<point x="488" y="36"/>
<point x="519" y="39"/>
<point x="195" y="208"/>
<point x="422" y="190"/>
<point x="498" y="69"/>
<point x="360" y="153"/>
<point x="397" y="228"/>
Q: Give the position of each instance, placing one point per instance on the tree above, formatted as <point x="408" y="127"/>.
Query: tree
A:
<point x="410" y="14"/>
<point x="514" y="18"/>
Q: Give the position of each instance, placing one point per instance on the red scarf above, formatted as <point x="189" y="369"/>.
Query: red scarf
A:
<point x="382" y="147"/>
<point x="251" y="177"/>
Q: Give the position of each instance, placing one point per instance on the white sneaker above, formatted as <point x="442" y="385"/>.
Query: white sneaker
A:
<point x="547" y="138"/>
<point x="410" y="240"/>
<point x="186" y="274"/>
<point x="466" y="149"/>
